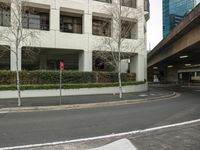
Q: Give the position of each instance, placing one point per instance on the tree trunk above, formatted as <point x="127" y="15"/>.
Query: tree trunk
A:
<point x="18" y="79"/>
<point x="119" y="80"/>
<point x="119" y="52"/>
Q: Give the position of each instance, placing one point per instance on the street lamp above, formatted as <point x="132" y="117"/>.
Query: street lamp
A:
<point x="184" y="56"/>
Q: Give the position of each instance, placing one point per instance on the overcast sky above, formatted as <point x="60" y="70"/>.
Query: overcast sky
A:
<point x="154" y="25"/>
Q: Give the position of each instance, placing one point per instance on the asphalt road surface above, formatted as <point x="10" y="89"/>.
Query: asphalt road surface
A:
<point x="50" y="126"/>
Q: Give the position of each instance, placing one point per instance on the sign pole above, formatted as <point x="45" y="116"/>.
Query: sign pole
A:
<point x="60" y="87"/>
<point x="62" y="66"/>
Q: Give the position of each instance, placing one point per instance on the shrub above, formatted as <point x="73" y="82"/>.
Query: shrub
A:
<point x="65" y="86"/>
<point x="68" y="77"/>
<point x="7" y="77"/>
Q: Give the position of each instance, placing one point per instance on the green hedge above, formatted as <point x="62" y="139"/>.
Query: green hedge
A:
<point x="66" y="86"/>
<point x="69" y="77"/>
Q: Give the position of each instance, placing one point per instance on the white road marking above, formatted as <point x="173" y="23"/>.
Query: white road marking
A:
<point x="152" y="94"/>
<point x="143" y="95"/>
<point x="118" y="145"/>
<point x="101" y="137"/>
<point x="4" y="112"/>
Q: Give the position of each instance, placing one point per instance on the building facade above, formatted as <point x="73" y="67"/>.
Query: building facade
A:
<point x="174" y="11"/>
<point x="71" y="30"/>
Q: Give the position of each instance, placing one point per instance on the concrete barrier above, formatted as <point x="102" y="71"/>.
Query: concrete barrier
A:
<point x="71" y="92"/>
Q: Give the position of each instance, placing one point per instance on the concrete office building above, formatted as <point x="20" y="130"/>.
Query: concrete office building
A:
<point x="174" y="11"/>
<point x="70" y="31"/>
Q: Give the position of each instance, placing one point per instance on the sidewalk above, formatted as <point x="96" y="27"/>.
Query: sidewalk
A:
<point x="152" y="94"/>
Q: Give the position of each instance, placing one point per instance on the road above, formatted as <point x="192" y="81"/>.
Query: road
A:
<point x="50" y="126"/>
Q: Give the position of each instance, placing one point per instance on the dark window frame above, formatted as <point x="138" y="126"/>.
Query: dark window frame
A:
<point x="28" y="17"/>
<point x="129" y="3"/>
<point x="124" y="29"/>
<point x="105" y="23"/>
<point x="75" y="20"/>
<point x="127" y="29"/>
<point x="5" y="12"/>
<point x="146" y="5"/>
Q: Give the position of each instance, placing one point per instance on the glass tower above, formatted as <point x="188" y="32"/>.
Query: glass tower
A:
<point x="174" y="11"/>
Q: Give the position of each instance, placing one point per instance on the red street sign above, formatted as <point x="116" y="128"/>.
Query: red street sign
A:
<point x="62" y="65"/>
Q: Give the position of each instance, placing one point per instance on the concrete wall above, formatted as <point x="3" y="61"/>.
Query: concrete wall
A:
<point x="83" y="91"/>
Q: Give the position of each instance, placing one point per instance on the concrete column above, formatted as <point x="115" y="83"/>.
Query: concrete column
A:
<point x="55" y="19"/>
<point x="145" y="67"/>
<point x="13" y="59"/>
<point x="85" y="61"/>
<point x="85" y="57"/>
<point x="172" y="75"/>
<point x="137" y="65"/>
<point x="140" y="27"/>
<point x="140" y="19"/>
<point x="195" y="74"/>
<point x="124" y="65"/>
<point x="87" y="23"/>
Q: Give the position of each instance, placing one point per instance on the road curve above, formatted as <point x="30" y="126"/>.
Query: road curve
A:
<point x="50" y="126"/>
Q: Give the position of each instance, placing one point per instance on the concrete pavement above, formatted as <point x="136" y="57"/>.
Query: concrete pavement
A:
<point x="185" y="137"/>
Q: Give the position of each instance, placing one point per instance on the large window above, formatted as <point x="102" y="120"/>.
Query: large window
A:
<point x="35" y="18"/>
<point x="129" y="30"/>
<point x="129" y="3"/>
<point x="71" y="23"/>
<point x="4" y="58"/>
<point x="4" y="15"/>
<point x="105" y="1"/>
<point x="146" y="5"/>
<point x="101" y="26"/>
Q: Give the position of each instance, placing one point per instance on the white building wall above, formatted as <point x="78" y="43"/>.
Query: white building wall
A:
<point x="85" y="42"/>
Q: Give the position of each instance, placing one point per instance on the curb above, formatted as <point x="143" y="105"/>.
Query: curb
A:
<point x="82" y="106"/>
<point x="195" y="87"/>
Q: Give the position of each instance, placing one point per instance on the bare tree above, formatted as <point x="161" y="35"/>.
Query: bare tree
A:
<point x="15" y="35"/>
<point x="114" y="48"/>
